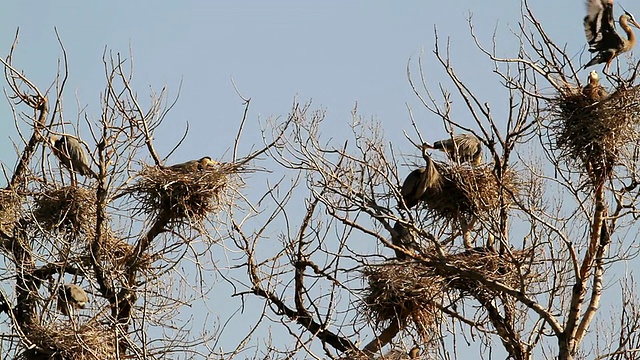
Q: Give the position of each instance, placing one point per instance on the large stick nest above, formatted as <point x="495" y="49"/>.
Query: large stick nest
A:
<point x="61" y="341"/>
<point x="183" y="196"/>
<point x="593" y="133"/>
<point x="68" y="209"/>
<point x="408" y="291"/>
<point x="467" y="190"/>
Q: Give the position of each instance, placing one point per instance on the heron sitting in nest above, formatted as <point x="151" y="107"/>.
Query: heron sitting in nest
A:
<point x="71" y="154"/>
<point x="70" y="297"/>
<point x="463" y="148"/>
<point x="593" y="90"/>
<point x="204" y="163"/>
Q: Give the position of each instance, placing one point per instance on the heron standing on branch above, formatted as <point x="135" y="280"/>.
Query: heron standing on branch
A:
<point x="420" y="181"/>
<point x="71" y="154"/>
<point x="600" y="29"/>
<point x="461" y="148"/>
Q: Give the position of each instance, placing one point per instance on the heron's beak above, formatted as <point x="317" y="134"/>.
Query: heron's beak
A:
<point x="635" y="23"/>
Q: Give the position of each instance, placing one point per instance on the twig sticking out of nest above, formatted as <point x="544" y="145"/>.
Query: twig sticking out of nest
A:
<point x="87" y="342"/>
<point x="69" y="209"/>
<point x="9" y="210"/>
<point x="593" y="133"/>
<point x="403" y="292"/>
<point x="470" y="191"/>
<point x="182" y="196"/>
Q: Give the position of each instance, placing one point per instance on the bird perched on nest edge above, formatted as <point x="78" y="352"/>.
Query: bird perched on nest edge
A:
<point x="71" y="154"/>
<point x="71" y="296"/>
<point x="204" y="163"/>
<point x="419" y="181"/>
<point x="593" y="90"/>
<point x="461" y="148"/>
<point x="600" y="29"/>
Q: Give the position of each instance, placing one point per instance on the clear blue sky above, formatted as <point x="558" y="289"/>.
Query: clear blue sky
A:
<point x="334" y="52"/>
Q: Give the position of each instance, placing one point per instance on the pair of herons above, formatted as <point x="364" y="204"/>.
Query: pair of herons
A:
<point x="72" y="156"/>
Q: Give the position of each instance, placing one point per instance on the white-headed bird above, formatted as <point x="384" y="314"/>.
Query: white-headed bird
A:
<point x="70" y="297"/>
<point x="204" y="163"/>
<point x="600" y="29"/>
<point x="593" y="90"/>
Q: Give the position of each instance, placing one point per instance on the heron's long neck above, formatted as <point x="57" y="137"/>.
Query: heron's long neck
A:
<point x="631" y="37"/>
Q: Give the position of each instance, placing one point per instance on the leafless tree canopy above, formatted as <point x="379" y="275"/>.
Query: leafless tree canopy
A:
<point x="510" y="256"/>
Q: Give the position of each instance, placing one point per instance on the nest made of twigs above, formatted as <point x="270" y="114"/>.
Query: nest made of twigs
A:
<point x="183" y="196"/>
<point x="468" y="190"/>
<point x="61" y="341"/>
<point x="9" y="210"/>
<point x="116" y="253"/>
<point x="593" y="133"/>
<point x="68" y="209"/>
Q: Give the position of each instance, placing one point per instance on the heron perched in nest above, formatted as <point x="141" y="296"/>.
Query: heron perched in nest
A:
<point x="71" y="154"/>
<point x="403" y="238"/>
<point x="461" y="148"/>
<point x="420" y="181"/>
<point x="203" y="163"/>
<point x="593" y="90"/>
<point x="600" y="29"/>
<point x="70" y="297"/>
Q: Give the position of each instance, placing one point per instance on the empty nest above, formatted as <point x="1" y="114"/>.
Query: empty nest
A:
<point x="182" y="196"/>
<point x="61" y="341"/>
<point x="467" y="190"/>
<point x="69" y="209"/>
<point x="593" y="133"/>
<point x="9" y="210"/>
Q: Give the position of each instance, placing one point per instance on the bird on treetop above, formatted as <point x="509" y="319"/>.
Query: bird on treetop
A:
<point x="204" y="163"/>
<point x="417" y="184"/>
<point x="461" y="148"/>
<point x="600" y="29"/>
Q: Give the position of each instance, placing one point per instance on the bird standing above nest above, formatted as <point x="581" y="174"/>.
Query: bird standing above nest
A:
<point x="71" y="154"/>
<point x="70" y="297"/>
<point x="593" y="90"/>
<point x="600" y="29"/>
<point x="461" y="148"/>
<point x="420" y="181"/>
<point x="204" y="163"/>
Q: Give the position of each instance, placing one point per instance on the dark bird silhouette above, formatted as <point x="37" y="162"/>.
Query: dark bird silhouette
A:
<point x="600" y="29"/>
<point x="70" y="297"/>
<point x="461" y="148"/>
<point x="71" y="154"/>
<point x="593" y="90"/>
<point x="204" y="163"/>
<point x="419" y="181"/>
<point x="403" y="238"/>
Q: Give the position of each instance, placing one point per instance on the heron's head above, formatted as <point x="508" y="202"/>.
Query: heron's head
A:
<point x="207" y="162"/>
<point x="593" y="78"/>
<point x="630" y="19"/>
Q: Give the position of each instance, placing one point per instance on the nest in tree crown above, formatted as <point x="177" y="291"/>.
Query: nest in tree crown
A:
<point x="470" y="190"/>
<point x="407" y="291"/>
<point x="182" y="196"/>
<point x="69" y="209"/>
<point x="117" y="252"/>
<point x="593" y="133"/>
<point x="9" y="210"/>
<point x="61" y="341"/>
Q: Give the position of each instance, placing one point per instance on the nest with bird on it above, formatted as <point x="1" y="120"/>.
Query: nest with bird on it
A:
<point x="591" y="134"/>
<point x="470" y="190"/>
<point x="69" y="209"/>
<point x="61" y="341"/>
<point x="409" y="291"/>
<point x="184" y="197"/>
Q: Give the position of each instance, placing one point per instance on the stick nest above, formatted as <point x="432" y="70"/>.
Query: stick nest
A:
<point x="68" y="209"/>
<point x="9" y="210"/>
<point x="61" y="341"/>
<point x="593" y="133"/>
<point x="471" y="191"/>
<point x="183" y="196"/>
<point x="408" y="291"/>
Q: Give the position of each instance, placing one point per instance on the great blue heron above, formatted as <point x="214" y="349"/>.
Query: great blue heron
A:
<point x="461" y="148"/>
<point x="70" y="297"/>
<point x="601" y="33"/>
<point x="419" y="181"/>
<point x="71" y="154"/>
<point x="593" y="90"/>
<point x="403" y="238"/>
<point x="203" y="163"/>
